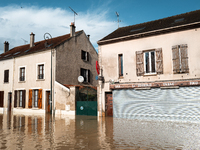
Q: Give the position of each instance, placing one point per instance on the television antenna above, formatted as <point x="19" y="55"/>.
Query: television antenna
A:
<point x="74" y="14"/>
<point x="24" y="41"/>
<point x="118" y="18"/>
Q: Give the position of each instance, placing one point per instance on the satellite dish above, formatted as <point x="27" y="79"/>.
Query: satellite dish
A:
<point x="80" y="79"/>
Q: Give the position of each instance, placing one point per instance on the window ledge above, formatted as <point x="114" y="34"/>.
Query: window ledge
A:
<point x="40" y="80"/>
<point x="121" y="77"/>
<point x="21" y="81"/>
<point x="150" y="74"/>
<point x="6" y="82"/>
<point x="19" y="107"/>
<point x="35" y="108"/>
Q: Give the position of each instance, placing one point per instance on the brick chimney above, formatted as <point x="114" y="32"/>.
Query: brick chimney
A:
<point x="72" y="30"/>
<point x="6" y="46"/>
<point x="88" y="37"/>
<point x="32" y="38"/>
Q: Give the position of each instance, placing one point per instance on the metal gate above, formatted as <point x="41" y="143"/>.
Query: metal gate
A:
<point x="86" y="101"/>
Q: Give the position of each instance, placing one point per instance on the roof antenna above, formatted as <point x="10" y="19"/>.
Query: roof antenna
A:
<point x="118" y="18"/>
<point x="24" y="41"/>
<point x="74" y="14"/>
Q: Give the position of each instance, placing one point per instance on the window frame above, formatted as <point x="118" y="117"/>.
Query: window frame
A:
<point x="38" y="75"/>
<point x="6" y="76"/>
<point x="84" y="55"/>
<point x="22" y="78"/>
<point x="120" y="65"/>
<point x="149" y="62"/>
<point x="35" y="100"/>
<point x="86" y="75"/>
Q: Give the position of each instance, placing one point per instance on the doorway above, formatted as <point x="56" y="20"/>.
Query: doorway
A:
<point x="109" y="104"/>
<point x="9" y="101"/>
<point x="48" y="97"/>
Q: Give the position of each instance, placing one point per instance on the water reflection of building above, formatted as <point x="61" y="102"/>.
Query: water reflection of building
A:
<point x="150" y="70"/>
<point x="26" y="73"/>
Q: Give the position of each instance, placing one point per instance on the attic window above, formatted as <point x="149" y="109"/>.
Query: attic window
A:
<point x="178" y="20"/>
<point x="7" y="55"/>
<point x="137" y="29"/>
<point x="16" y="53"/>
<point x="27" y="50"/>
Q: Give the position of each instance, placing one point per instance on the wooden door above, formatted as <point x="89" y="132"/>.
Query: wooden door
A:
<point x="48" y="101"/>
<point x="109" y="104"/>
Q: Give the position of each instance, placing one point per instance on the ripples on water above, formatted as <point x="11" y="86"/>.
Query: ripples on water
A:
<point x="91" y="133"/>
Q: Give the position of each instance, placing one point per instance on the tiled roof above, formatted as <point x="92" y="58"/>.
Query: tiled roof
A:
<point x="165" y="25"/>
<point x="38" y="46"/>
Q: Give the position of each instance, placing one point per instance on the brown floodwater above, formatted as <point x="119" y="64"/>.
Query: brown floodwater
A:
<point x="94" y="133"/>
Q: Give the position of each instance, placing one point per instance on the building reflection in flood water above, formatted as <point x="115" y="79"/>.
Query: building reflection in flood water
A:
<point x="86" y="132"/>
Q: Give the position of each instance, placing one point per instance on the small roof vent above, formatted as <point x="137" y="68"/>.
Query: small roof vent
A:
<point x="179" y="20"/>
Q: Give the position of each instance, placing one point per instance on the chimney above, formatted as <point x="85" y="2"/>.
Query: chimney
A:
<point x="32" y="38"/>
<point x="88" y="37"/>
<point x="6" y="46"/>
<point x="72" y="30"/>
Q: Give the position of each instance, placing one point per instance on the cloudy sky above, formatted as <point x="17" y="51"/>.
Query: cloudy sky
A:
<point x="18" y="18"/>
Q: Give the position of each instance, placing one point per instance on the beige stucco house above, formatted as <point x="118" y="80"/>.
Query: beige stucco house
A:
<point x="29" y="72"/>
<point x="151" y="70"/>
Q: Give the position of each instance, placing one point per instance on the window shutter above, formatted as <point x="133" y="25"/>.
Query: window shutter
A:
<point x="159" y="61"/>
<point x="175" y="58"/>
<point x="23" y="98"/>
<point x="30" y="99"/>
<point x="15" y="99"/>
<point x="40" y="98"/>
<point x="184" y="58"/>
<point x="88" y="75"/>
<point x="139" y="63"/>
<point x="1" y="98"/>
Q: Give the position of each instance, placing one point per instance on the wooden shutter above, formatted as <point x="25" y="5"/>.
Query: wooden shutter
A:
<point x="139" y="63"/>
<point x="23" y="98"/>
<point x="15" y="99"/>
<point x="30" y="99"/>
<point x="1" y="98"/>
<point x="159" y="61"/>
<point x="40" y="98"/>
<point x="184" y="58"/>
<point x="175" y="58"/>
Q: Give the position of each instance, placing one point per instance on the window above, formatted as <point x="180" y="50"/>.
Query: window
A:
<point x="1" y="98"/>
<point x="20" y="98"/>
<point x="35" y="98"/>
<point x="149" y="62"/>
<point x="86" y="74"/>
<point x="84" y="55"/>
<point x="35" y="95"/>
<point x="22" y="74"/>
<point x="180" y="59"/>
<point x="120" y="58"/>
<point x="41" y="71"/>
<point x="6" y="76"/>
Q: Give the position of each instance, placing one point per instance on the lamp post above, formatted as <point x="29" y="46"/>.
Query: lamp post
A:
<point x="48" y="36"/>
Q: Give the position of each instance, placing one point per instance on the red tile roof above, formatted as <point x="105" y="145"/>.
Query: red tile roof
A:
<point x="38" y="46"/>
<point x="180" y="22"/>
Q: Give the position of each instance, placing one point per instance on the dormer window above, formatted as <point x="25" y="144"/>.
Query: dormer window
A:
<point x="84" y="55"/>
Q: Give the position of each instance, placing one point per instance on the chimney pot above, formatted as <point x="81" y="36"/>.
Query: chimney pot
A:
<point x="88" y="37"/>
<point x="72" y="30"/>
<point x="6" y="46"/>
<point x="32" y="38"/>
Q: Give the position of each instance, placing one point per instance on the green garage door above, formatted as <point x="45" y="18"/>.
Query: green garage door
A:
<point x="86" y="101"/>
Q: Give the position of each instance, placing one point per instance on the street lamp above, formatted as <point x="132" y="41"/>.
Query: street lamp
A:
<point x="48" y="36"/>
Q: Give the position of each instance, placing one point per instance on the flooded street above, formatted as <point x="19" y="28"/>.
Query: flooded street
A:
<point x="91" y="133"/>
